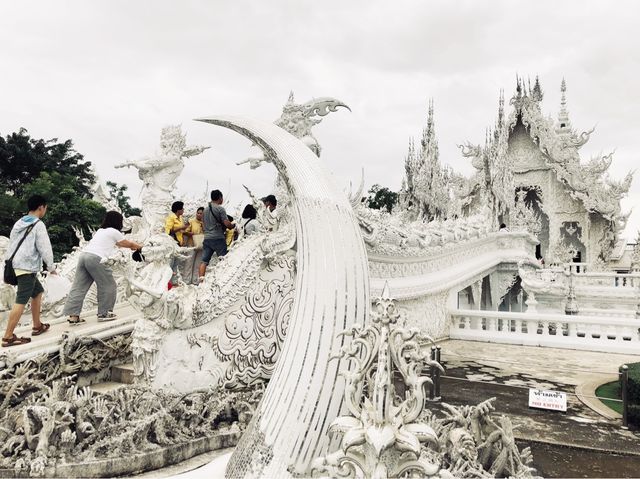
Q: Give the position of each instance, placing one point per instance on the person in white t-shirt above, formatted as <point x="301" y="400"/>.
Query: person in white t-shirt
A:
<point x="90" y="269"/>
<point x="249" y="224"/>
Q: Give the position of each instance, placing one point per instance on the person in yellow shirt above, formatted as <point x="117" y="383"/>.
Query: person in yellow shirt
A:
<point x="195" y="231"/>
<point x="231" y="233"/>
<point x="174" y="225"/>
<point x="194" y="236"/>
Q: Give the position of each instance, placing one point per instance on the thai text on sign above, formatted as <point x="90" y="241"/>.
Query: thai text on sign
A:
<point x="554" y="400"/>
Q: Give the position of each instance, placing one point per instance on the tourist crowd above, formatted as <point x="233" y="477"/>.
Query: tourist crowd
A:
<point x="210" y="232"/>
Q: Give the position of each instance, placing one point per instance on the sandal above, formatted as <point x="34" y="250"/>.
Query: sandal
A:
<point x="44" y="327"/>
<point x="110" y="316"/>
<point x="75" y="321"/>
<point x="14" y="341"/>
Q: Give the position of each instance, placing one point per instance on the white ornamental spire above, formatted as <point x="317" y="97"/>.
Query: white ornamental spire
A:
<point x="564" y="124"/>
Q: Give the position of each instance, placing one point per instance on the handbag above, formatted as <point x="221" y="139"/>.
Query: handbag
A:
<point x="10" y="273"/>
<point x="198" y="240"/>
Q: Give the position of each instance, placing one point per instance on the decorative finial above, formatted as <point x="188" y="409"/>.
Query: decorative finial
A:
<point x="518" y="86"/>
<point x="386" y="292"/>
<point x="501" y="108"/>
<point x="290" y="100"/>
<point x="564" y="124"/>
<point x="537" y="90"/>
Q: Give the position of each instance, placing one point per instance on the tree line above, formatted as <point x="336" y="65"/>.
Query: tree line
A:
<point x="58" y="172"/>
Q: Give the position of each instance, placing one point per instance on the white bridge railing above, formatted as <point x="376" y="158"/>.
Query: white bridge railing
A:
<point x="601" y="333"/>
<point x="558" y="275"/>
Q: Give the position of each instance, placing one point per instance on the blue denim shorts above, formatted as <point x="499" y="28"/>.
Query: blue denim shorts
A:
<point x="210" y="246"/>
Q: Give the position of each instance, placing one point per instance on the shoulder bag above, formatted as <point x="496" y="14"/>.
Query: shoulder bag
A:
<point x="10" y="273"/>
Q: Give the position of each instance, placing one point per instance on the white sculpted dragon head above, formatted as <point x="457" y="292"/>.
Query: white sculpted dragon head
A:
<point x="298" y="119"/>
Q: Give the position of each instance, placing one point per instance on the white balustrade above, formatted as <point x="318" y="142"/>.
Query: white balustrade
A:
<point x="614" y="313"/>
<point x="594" y="333"/>
<point x="606" y="278"/>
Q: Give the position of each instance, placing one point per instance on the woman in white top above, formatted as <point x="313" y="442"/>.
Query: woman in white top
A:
<point x="249" y="224"/>
<point x="90" y="269"/>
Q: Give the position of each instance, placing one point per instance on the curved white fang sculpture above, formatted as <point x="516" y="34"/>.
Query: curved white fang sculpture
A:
<point x="304" y="395"/>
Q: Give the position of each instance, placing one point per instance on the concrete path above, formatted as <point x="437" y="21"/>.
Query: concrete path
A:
<point x="478" y="371"/>
<point x="50" y="341"/>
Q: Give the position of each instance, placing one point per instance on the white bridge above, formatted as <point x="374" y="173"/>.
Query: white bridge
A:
<point x="455" y="292"/>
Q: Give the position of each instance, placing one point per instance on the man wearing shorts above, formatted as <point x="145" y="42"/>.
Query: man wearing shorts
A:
<point x="27" y="262"/>
<point x="216" y="223"/>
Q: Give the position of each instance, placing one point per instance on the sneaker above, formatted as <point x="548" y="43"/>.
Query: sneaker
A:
<point x="110" y="316"/>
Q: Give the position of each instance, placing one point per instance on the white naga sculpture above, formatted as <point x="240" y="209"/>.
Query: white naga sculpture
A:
<point x="290" y="427"/>
<point x="159" y="174"/>
<point x="298" y="120"/>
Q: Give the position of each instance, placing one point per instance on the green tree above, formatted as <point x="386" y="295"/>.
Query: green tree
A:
<point x="23" y="158"/>
<point x="119" y="194"/>
<point x="54" y="170"/>
<point x="65" y="209"/>
<point x="381" y="197"/>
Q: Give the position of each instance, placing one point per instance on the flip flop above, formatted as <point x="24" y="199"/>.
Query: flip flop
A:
<point x="74" y="322"/>
<point x="14" y="341"/>
<point x="44" y="327"/>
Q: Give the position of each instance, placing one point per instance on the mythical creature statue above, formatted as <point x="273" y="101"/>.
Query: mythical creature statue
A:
<point x="159" y="174"/>
<point x="298" y="120"/>
<point x="147" y="290"/>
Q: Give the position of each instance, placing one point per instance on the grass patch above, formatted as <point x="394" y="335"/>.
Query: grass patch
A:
<point x="610" y="390"/>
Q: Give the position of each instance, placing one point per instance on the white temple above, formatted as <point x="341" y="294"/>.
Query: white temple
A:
<point x="530" y="176"/>
<point x="307" y="349"/>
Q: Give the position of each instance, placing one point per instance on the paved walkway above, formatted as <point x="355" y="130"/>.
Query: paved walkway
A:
<point x="478" y="371"/>
<point x="50" y="341"/>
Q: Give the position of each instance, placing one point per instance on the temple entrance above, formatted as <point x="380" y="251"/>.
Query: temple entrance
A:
<point x="571" y="236"/>
<point x="533" y="200"/>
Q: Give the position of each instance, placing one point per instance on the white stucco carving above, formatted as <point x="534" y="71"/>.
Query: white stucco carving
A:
<point x="159" y="174"/>
<point x="387" y="431"/>
<point x="542" y="153"/>
<point x="287" y="415"/>
<point x="524" y="151"/>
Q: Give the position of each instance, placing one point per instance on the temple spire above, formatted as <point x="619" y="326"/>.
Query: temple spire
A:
<point x="500" y="121"/>
<point x="429" y="133"/>
<point x="564" y="124"/>
<point x="537" y="90"/>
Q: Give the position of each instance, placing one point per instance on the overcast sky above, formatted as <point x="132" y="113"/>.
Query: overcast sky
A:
<point x="110" y="74"/>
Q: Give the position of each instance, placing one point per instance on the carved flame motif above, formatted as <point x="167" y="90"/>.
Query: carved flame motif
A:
<point x="253" y="337"/>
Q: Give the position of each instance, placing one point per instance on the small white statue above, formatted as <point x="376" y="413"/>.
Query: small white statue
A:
<point x="159" y="174"/>
<point x="147" y="292"/>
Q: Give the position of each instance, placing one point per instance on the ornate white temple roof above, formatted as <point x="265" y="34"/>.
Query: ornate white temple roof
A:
<point x="560" y="144"/>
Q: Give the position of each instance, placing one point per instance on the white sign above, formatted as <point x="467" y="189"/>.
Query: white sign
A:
<point x="554" y="400"/>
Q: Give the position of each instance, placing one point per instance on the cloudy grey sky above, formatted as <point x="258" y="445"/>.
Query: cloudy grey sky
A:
<point x="110" y="74"/>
